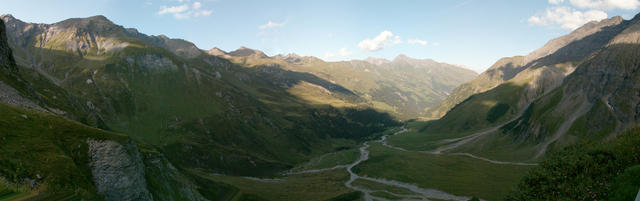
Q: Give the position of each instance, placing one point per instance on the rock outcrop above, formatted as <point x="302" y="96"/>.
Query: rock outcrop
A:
<point x="118" y="170"/>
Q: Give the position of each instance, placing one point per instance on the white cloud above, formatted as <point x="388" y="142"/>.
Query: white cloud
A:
<point x="397" y="40"/>
<point x="379" y="42"/>
<point x="566" y="17"/>
<point x="270" y="24"/>
<point x="343" y="52"/>
<point x="196" y="5"/>
<point x="556" y="2"/>
<point x="173" y="9"/>
<point x="185" y="11"/>
<point x="606" y="4"/>
<point x="417" y="42"/>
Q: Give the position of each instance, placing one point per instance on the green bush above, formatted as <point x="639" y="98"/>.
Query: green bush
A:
<point x="626" y="185"/>
<point x="586" y="171"/>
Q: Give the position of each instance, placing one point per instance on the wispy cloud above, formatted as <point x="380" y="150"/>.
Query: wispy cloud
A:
<point x="270" y="24"/>
<point x="566" y="17"/>
<point x="556" y="2"/>
<point x="417" y="42"/>
<point x="379" y="42"/>
<point x="571" y="14"/>
<point x="185" y="11"/>
<point x="606" y="4"/>
<point x="343" y="52"/>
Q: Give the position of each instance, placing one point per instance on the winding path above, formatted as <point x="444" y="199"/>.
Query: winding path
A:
<point x="384" y="142"/>
<point x="420" y="193"/>
<point x="438" y="151"/>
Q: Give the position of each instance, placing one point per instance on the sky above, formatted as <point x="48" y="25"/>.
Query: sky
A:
<point x="470" y="33"/>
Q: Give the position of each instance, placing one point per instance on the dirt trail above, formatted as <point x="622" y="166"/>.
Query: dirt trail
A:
<point x="384" y="142"/>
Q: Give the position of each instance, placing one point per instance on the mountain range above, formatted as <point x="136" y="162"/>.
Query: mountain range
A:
<point x="238" y="113"/>
<point x="95" y="111"/>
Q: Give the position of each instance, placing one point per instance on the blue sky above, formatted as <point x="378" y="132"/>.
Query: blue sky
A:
<point x="472" y="33"/>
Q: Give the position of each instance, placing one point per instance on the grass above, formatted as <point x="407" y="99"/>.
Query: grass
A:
<point x="48" y="149"/>
<point x="497" y="111"/>
<point x="498" y="146"/>
<point x="478" y="112"/>
<point x="7" y="194"/>
<point x="457" y="175"/>
<point x="475" y="113"/>
<point x="589" y="127"/>
<point x="416" y="140"/>
<point x="343" y="157"/>
<point x="314" y="186"/>
<point x="507" y="144"/>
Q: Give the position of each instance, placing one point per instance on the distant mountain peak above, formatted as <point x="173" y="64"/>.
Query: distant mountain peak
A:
<point x="217" y="52"/>
<point x="96" y="23"/>
<point x="96" y="18"/>
<point x="405" y="58"/>
<point x="376" y="61"/>
<point x="10" y="19"/>
<point x="99" y="17"/>
<point x="7" y="16"/>
<point x="245" y="51"/>
<point x="293" y="55"/>
<point x="217" y="49"/>
<point x="402" y="57"/>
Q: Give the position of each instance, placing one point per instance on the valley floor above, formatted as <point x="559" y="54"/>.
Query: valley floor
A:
<point x="379" y="170"/>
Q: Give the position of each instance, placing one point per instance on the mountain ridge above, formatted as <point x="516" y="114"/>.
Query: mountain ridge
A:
<point x="571" y="95"/>
<point x="506" y="68"/>
<point x="405" y="87"/>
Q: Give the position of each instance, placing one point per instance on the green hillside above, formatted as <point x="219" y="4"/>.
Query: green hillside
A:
<point x="186" y="105"/>
<point x="404" y="87"/>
